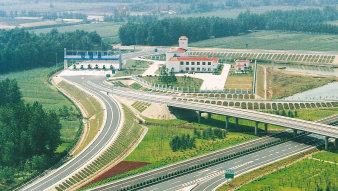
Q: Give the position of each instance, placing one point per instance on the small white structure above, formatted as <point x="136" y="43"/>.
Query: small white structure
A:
<point x="192" y="64"/>
<point x="241" y="65"/>
<point x="178" y="60"/>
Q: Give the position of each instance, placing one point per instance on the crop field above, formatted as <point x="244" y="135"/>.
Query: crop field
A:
<point x="34" y="87"/>
<point x="306" y="174"/>
<point x="108" y="31"/>
<point x="282" y="84"/>
<point x="274" y="40"/>
<point x="130" y="131"/>
<point x="234" y="12"/>
<point x="238" y="81"/>
<point x="182" y="82"/>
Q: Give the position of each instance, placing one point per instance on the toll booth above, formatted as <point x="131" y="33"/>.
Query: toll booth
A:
<point x="84" y="55"/>
<point x="229" y="173"/>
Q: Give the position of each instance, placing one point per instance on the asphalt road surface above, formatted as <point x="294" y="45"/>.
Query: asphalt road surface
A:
<point x="113" y="113"/>
<point x="210" y="178"/>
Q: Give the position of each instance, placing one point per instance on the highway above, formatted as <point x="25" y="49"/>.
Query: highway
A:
<point x="106" y="134"/>
<point x="104" y="137"/>
<point x="209" y="178"/>
<point x="312" y="127"/>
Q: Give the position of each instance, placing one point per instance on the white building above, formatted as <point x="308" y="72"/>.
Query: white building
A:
<point x="178" y="60"/>
<point x="241" y="65"/>
<point x="192" y="64"/>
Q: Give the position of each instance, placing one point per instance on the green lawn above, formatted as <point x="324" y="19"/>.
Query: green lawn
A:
<point x="133" y="67"/>
<point x="331" y="156"/>
<point x="182" y="82"/>
<point x="315" y="114"/>
<point x="307" y="174"/>
<point x="34" y="87"/>
<point x="239" y="81"/>
<point x="274" y="40"/>
<point x="108" y="31"/>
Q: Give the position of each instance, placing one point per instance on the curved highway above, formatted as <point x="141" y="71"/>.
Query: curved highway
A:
<point x="113" y="114"/>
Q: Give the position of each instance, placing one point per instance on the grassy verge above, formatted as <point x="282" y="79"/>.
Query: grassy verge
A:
<point x="245" y="178"/>
<point x="133" y="67"/>
<point x="316" y="114"/>
<point x="331" y="156"/>
<point x="306" y="174"/>
<point x="182" y="82"/>
<point x="274" y="40"/>
<point x="260" y="81"/>
<point x="281" y="83"/>
<point x="93" y="109"/>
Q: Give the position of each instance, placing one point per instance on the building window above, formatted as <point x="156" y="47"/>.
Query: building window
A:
<point x="186" y="63"/>
<point x="187" y="69"/>
<point x="203" y="69"/>
<point x="198" y="69"/>
<point x="181" y="70"/>
<point x="192" y="69"/>
<point x="209" y="69"/>
<point x="192" y="63"/>
<point x="182" y="63"/>
<point x="209" y="63"/>
<point x="203" y="63"/>
<point x="198" y="63"/>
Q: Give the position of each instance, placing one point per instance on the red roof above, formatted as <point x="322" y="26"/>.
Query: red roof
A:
<point x="177" y="50"/>
<point x="183" y="37"/>
<point x="213" y="59"/>
<point x="242" y="60"/>
<point x="239" y="66"/>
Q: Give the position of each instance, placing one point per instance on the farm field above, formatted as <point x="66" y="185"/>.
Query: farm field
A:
<point x="234" y="12"/>
<point x="34" y="87"/>
<point x="274" y="40"/>
<point x="108" y="31"/>
<point x="282" y="83"/>
<point x="239" y="81"/>
<point x="182" y="82"/>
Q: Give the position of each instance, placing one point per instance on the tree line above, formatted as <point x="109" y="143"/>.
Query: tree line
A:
<point x="21" y="50"/>
<point x="182" y="143"/>
<point x="29" y="135"/>
<point x="168" y="30"/>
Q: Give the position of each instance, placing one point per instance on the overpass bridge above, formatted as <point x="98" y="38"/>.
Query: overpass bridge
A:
<point x="296" y="124"/>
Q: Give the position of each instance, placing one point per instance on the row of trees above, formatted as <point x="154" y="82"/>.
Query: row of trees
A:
<point x="211" y="133"/>
<point x="182" y="143"/>
<point x="167" y="31"/>
<point x="29" y="135"/>
<point x="20" y="49"/>
<point x="165" y="77"/>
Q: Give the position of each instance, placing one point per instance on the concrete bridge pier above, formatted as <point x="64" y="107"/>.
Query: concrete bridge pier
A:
<point x="256" y="127"/>
<point x="236" y="121"/>
<point x="226" y="122"/>
<point x="326" y="142"/>
<point x="266" y="128"/>
<point x="209" y="115"/>
<point x="199" y="116"/>
<point x="295" y="133"/>
<point x="336" y="142"/>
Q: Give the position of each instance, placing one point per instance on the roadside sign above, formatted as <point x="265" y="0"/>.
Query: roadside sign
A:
<point x="229" y="173"/>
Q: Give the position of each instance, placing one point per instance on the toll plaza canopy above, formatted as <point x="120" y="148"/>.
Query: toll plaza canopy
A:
<point x="90" y="55"/>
